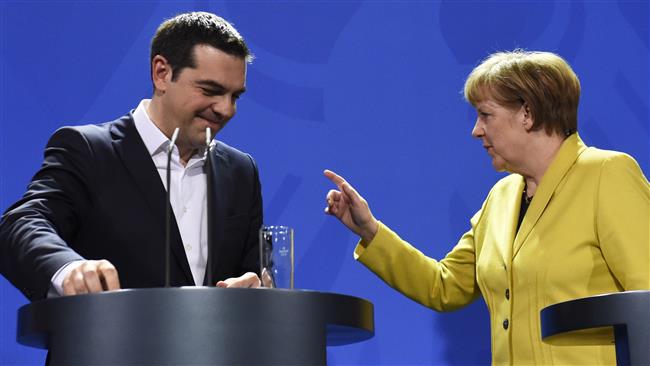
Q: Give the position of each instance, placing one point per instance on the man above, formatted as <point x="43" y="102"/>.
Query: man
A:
<point x="93" y="217"/>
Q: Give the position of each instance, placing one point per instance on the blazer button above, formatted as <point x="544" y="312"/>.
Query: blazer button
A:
<point x="505" y="324"/>
<point x="507" y="294"/>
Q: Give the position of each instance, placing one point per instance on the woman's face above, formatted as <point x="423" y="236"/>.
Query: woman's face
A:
<point x="502" y="130"/>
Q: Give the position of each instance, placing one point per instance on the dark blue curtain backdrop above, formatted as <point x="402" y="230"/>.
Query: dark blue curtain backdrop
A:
<point x="370" y="89"/>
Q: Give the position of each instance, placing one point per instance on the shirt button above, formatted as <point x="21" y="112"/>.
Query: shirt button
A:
<point x="507" y="294"/>
<point x="184" y="209"/>
<point x="505" y="324"/>
<point x="188" y="247"/>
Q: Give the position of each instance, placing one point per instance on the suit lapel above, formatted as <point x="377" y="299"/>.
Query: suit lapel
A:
<point x="511" y="205"/>
<point x="137" y="160"/>
<point x="564" y="160"/>
<point x="217" y="207"/>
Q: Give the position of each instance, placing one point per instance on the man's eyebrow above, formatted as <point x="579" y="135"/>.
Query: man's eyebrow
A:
<point x="216" y="86"/>
<point x="209" y="83"/>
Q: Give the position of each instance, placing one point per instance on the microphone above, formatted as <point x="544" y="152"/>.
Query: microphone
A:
<point x="209" y="197"/>
<point x="168" y="217"/>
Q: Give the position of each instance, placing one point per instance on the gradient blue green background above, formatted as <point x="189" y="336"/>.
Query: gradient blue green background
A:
<point x="370" y="89"/>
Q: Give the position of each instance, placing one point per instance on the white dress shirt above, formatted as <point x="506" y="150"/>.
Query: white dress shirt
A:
<point x="188" y="197"/>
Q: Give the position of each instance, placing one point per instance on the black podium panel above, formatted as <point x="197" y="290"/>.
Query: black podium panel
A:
<point x="590" y="321"/>
<point x="194" y="326"/>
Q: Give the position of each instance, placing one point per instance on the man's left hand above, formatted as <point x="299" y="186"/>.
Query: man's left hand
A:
<point x="247" y="280"/>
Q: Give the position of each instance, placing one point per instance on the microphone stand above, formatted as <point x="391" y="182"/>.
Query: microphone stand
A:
<point x="209" y="197"/>
<point x="168" y="214"/>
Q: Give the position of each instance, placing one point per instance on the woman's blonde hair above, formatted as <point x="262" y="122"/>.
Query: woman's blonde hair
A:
<point x="543" y="81"/>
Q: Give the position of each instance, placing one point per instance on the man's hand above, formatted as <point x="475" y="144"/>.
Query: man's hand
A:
<point x="248" y="279"/>
<point x="91" y="277"/>
<point x="350" y="208"/>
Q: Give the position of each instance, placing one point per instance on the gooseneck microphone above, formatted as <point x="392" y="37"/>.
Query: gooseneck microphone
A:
<point x="209" y="196"/>
<point x="168" y="216"/>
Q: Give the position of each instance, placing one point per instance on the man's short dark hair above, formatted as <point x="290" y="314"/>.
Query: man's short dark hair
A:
<point x="176" y="37"/>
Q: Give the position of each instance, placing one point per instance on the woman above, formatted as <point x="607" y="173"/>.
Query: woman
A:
<point x="570" y="221"/>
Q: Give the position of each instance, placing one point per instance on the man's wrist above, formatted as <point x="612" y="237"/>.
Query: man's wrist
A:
<point x="56" y="283"/>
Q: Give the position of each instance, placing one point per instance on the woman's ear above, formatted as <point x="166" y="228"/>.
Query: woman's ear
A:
<point x="527" y="117"/>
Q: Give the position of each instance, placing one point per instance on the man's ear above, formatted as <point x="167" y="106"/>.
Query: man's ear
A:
<point x="161" y="73"/>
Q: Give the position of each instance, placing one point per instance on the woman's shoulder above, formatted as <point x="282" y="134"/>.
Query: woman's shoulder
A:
<point x="600" y="159"/>
<point x="595" y="155"/>
<point x="508" y="183"/>
<point x="611" y="168"/>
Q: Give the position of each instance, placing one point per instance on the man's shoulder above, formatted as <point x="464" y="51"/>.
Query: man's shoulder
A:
<point x="234" y="159"/>
<point x="99" y="131"/>
<point x="221" y="148"/>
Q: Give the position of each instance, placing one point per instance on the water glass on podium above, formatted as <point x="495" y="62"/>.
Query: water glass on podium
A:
<point x="276" y="256"/>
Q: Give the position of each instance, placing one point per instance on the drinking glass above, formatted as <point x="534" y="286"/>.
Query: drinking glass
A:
<point x="276" y="256"/>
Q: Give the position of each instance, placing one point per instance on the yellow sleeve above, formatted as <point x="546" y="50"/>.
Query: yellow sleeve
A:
<point x="623" y="221"/>
<point x="441" y="285"/>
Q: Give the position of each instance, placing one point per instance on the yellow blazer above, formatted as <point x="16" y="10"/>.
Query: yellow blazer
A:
<point x="586" y="232"/>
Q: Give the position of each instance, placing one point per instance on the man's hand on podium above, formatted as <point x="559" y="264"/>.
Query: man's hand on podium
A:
<point x="248" y="279"/>
<point x="90" y="277"/>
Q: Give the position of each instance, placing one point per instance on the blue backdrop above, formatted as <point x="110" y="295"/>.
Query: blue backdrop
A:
<point x="370" y="89"/>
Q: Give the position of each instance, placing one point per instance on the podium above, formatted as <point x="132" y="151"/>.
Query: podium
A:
<point x="590" y="320"/>
<point x="195" y="326"/>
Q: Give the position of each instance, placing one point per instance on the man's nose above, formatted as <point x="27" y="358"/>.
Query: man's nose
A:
<point x="224" y="106"/>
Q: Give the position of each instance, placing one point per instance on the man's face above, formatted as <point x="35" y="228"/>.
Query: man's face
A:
<point x="204" y="96"/>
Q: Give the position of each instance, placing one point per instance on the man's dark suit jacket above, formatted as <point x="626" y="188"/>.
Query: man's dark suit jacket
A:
<point x="98" y="195"/>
